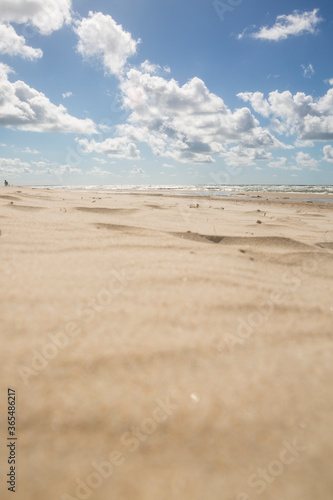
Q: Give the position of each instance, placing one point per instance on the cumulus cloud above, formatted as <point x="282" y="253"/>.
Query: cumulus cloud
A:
<point x="59" y="170"/>
<point x="99" y="172"/>
<point x="304" y="160"/>
<point x="282" y="164"/>
<point x="244" y="157"/>
<point x="27" y="109"/>
<point x="101" y="160"/>
<point x="328" y="153"/>
<point x="30" y="151"/>
<point x="138" y="171"/>
<point x="41" y="163"/>
<point x="14" y="45"/>
<point x="295" y="24"/>
<point x="45" y="15"/>
<point x="101" y="38"/>
<point x="68" y="169"/>
<point x="13" y="166"/>
<point x="299" y="143"/>
<point x="148" y="67"/>
<point x="329" y="81"/>
<point x="257" y="101"/>
<point x="186" y="123"/>
<point x="118" y="147"/>
<point x="298" y="114"/>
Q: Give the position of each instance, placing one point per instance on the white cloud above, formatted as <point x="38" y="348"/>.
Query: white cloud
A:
<point x="66" y="95"/>
<point x="60" y="170"/>
<point x="186" y="123"/>
<point x="295" y="24"/>
<point x="261" y="138"/>
<point x="13" y="162"/>
<point x="14" y="45"/>
<point x="329" y="81"/>
<point x="101" y="160"/>
<point x="101" y="38"/>
<point x="148" y="67"/>
<point x="41" y="164"/>
<point x="13" y="166"/>
<point x="68" y="169"/>
<point x="308" y="71"/>
<point x="30" y="151"/>
<point x="242" y="34"/>
<point x="257" y="101"/>
<point x="328" y="153"/>
<point x="282" y="164"/>
<point x="261" y="154"/>
<point x="296" y="114"/>
<point x="244" y="157"/>
<point x="138" y="171"/>
<point x="118" y="147"/>
<point x="303" y="144"/>
<point x="27" y="109"/>
<point x="45" y="15"/>
<point x="304" y="160"/>
<point x="166" y="165"/>
<point x="99" y="172"/>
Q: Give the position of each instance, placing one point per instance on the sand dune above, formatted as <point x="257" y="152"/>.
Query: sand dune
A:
<point x="161" y="351"/>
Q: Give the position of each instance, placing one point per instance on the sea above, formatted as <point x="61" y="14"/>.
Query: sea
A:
<point x="311" y="193"/>
<point x="213" y="189"/>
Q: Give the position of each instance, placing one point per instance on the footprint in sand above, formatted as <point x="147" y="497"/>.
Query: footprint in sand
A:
<point x="272" y="241"/>
<point x="25" y="207"/>
<point x="8" y="197"/>
<point x="106" y="211"/>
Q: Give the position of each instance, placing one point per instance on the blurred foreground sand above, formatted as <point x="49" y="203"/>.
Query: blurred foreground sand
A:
<point x="164" y="350"/>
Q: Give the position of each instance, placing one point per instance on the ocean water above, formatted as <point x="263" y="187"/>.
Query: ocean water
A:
<point x="214" y="189"/>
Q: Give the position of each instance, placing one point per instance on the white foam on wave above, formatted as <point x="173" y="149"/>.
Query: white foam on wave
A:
<point x="206" y="188"/>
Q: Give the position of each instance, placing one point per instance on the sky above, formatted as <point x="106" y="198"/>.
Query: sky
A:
<point x="169" y="92"/>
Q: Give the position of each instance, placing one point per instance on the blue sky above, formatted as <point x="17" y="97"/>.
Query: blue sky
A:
<point x="191" y="92"/>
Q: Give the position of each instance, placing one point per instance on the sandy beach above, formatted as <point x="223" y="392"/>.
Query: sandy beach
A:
<point x="166" y="347"/>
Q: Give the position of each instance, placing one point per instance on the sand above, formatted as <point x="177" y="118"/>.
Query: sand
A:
<point x="164" y="350"/>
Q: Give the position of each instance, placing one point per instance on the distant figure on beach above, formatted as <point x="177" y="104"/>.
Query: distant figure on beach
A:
<point x="6" y="183"/>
